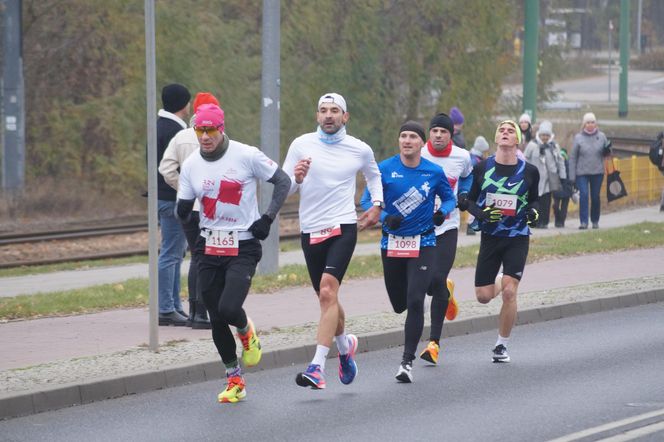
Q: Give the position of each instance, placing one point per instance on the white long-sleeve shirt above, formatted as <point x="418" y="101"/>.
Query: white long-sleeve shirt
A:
<point x="456" y="165"/>
<point x="327" y="193"/>
<point x="183" y="144"/>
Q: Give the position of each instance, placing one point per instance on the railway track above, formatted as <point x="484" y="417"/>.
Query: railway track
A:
<point x="65" y="235"/>
<point x="627" y="146"/>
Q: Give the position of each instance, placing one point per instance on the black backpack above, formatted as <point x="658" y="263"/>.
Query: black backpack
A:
<point x="656" y="153"/>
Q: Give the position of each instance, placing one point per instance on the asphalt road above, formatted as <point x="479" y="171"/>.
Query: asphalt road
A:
<point x="566" y="376"/>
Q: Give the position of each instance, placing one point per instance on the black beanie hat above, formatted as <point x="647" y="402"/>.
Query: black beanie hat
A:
<point x="174" y="97"/>
<point x="442" y="120"/>
<point x="413" y="126"/>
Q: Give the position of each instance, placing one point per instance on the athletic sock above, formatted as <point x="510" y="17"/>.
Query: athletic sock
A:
<point x="320" y="356"/>
<point x="233" y="369"/>
<point x="503" y="341"/>
<point x="342" y="344"/>
<point x="243" y="330"/>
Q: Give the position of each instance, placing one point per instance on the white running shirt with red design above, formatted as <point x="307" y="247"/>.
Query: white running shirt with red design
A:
<point x="226" y="188"/>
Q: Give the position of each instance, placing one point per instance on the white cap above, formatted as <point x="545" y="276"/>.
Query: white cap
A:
<point x="335" y="98"/>
<point x="524" y="117"/>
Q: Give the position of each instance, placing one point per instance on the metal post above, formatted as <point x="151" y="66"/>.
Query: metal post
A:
<point x="639" y="14"/>
<point x="610" y="52"/>
<point x="624" y="57"/>
<point x="270" y="84"/>
<point x="151" y="100"/>
<point x="531" y="45"/>
<point x="13" y="109"/>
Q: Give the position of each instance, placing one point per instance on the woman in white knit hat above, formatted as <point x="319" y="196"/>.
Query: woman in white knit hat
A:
<point x="586" y="168"/>
<point x="544" y="153"/>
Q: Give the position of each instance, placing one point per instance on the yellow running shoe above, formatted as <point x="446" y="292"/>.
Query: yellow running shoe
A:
<point x="251" y="346"/>
<point x="452" y="305"/>
<point x="430" y="354"/>
<point x="234" y="391"/>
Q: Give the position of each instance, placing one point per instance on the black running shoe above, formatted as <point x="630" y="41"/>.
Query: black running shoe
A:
<point x="500" y="354"/>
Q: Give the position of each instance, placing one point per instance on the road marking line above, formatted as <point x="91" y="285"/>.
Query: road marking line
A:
<point x="610" y="426"/>
<point x="635" y="433"/>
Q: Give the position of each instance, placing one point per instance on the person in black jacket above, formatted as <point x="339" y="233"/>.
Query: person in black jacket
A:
<point x="175" y="98"/>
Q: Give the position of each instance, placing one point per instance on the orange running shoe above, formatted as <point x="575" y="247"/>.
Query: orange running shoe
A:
<point x="452" y="305"/>
<point x="430" y="354"/>
<point x="234" y="391"/>
<point x="251" y="346"/>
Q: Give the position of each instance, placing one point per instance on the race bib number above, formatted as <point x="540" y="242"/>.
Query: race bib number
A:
<point x="221" y="243"/>
<point x="506" y="203"/>
<point x="325" y="234"/>
<point x="403" y="246"/>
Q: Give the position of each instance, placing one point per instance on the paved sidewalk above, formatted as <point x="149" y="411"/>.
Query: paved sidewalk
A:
<point x="26" y="343"/>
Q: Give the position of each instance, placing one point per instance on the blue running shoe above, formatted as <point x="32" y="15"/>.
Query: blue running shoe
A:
<point x="313" y="377"/>
<point x="347" y="365"/>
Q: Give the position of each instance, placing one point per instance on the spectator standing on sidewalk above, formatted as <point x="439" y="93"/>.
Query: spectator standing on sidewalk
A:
<point x="457" y="136"/>
<point x="526" y="128"/>
<point x="222" y="176"/>
<point x="323" y="166"/>
<point x="586" y="168"/>
<point x="561" y="197"/>
<point x="175" y="99"/>
<point x="409" y="249"/>
<point x="503" y="198"/>
<point x="479" y="150"/>
<point x="456" y="164"/>
<point x="543" y="152"/>
<point x="183" y="144"/>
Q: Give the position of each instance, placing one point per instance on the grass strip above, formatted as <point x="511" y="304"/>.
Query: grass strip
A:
<point x="134" y="292"/>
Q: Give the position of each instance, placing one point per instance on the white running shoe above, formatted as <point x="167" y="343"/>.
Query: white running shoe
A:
<point x="405" y="373"/>
<point x="500" y="354"/>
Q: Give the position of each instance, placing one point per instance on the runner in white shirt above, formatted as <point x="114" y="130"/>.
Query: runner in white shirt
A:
<point x="323" y="166"/>
<point x="458" y="168"/>
<point x="222" y="177"/>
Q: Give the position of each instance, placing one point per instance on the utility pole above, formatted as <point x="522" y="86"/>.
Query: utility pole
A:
<point x="270" y="105"/>
<point x="610" y="52"/>
<point x="151" y="104"/>
<point x="624" y="57"/>
<point x="639" y="15"/>
<point x="530" y="56"/>
<point x="13" y="109"/>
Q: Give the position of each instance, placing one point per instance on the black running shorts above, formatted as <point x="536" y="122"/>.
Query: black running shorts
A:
<point x="496" y="250"/>
<point x="330" y="256"/>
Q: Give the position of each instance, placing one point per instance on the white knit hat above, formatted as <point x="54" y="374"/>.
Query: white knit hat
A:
<point x="589" y="117"/>
<point x="480" y="144"/>
<point x="524" y="117"/>
<point x="545" y="128"/>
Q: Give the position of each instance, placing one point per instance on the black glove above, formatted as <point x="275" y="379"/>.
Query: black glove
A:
<point x="183" y="210"/>
<point x="261" y="227"/>
<point x="606" y="150"/>
<point x="462" y="201"/>
<point x="438" y="218"/>
<point x="533" y="216"/>
<point x="489" y="214"/>
<point x="393" y="221"/>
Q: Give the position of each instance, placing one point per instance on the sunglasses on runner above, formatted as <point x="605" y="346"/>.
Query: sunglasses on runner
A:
<point x="210" y="131"/>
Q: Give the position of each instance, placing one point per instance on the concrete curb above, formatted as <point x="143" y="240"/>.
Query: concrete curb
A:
<point x="45" y="399"/>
